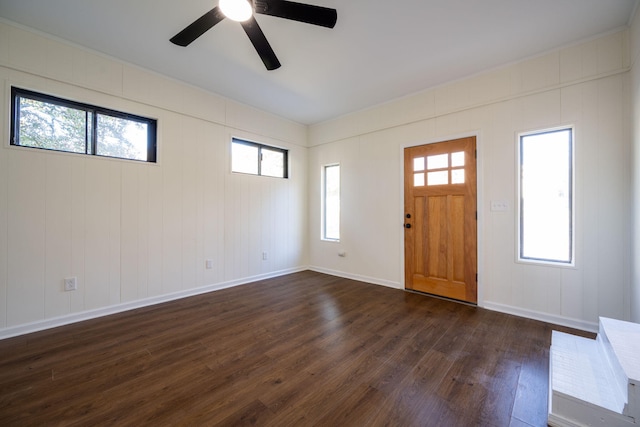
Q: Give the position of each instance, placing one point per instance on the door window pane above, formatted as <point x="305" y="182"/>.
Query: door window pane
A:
<point x="418" y="164"/>
<point x="438" y="178"/>
<point x="457" y="176"/>
<point x="457" y="159"/>
<point x="418" y="179"/>
<point x="439" y="161"/>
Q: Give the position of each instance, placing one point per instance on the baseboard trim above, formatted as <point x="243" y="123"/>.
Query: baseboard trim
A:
<point x="503" y="308"/>
<point x="146" y="302"/>
<point x="544" y="317"/>
<point x="555" y="421"/>
<point x="114" y="309"/>
<point x="360" y="278"/>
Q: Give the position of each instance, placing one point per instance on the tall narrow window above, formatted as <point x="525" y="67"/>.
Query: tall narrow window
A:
<point x="546" y="196"/>
<point x="331" y="202"/>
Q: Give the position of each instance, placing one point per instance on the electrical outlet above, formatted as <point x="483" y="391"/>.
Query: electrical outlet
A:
<point x="71" y="284"/>
<point x="265" y="256"/>
<point x="208" y="264"/>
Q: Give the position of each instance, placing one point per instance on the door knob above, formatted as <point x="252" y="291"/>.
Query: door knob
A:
<point x="407" y="225"/>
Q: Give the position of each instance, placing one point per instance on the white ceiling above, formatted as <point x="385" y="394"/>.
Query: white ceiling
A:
<point x="378" y="50"/>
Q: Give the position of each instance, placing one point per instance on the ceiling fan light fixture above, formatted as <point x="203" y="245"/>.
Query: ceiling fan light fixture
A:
<point x="243" y="11"/>
<point x="236" y="10"/>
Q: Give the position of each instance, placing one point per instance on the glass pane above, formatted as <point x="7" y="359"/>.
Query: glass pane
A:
<point x="51" y="126"/>
<point x="457" y="159"/>
<point x="439" y="161"/>
<point x="332" y="202"/>
<point x="244" y="158"/>
<point x="546" y="202"/>
<point x="123" y="138"/>
<point x="418" y="179"/>
<point x="418" y="164"/>
<point x="457" y="176"/>
<point x="272" y="163"/>
<point x="438" y="178"/>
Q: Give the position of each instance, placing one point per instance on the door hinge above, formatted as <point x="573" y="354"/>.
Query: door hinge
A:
<point x="476" y="277"/>
<point x="476" y="215"/>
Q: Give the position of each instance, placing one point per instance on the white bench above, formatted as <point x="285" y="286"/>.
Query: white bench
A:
<point x="596" y="382"/>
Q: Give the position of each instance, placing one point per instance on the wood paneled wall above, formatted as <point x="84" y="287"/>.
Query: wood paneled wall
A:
<point x="133" y="231"/>
<point x="585" y="85"/>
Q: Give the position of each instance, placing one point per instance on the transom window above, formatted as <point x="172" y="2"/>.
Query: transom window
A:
<point x="51" y="123"/>
<point x="258" y="159"/>
<point x="439" y="169"/>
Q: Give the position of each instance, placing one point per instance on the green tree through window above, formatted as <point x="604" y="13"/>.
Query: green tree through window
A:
<point x="46" y="122"/>
<point x="51" y="126"/>
<point x="121" y="138"/>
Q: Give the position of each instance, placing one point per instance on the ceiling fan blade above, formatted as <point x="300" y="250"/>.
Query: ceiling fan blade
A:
<point x="261" y="44"/>
<point x="198" y="27"/>
<point x="308" y="13"/>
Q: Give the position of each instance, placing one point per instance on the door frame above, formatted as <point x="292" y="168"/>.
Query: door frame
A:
<point x="479" y="203"/>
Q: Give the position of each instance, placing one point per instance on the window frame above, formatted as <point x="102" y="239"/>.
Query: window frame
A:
<point x="572" y="202"/>
<point x="91" y="135"/>
<point x="323" y="225"/>
<point x="260" y="147"/>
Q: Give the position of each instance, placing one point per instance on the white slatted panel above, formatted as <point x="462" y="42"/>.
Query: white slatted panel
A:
<point x="26" y="237"/>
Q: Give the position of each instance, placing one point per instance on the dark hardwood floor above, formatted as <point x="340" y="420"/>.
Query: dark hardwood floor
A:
<point x="305" y="349"/>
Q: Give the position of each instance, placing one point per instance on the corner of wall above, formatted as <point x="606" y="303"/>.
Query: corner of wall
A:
<point x="634" y="47"/>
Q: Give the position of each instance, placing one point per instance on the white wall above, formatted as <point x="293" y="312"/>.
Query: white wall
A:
<point x="585" y="85"/>
<point x="136" y="233"/>
<point x="635" y="234"/>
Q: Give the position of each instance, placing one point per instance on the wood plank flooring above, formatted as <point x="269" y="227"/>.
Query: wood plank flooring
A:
<point x="306" y="349"/>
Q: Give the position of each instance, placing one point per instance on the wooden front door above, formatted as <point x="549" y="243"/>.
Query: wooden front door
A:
<point x="441" y="219"/>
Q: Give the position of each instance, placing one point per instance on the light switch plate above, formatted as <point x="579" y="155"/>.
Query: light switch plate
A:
<point x="499" y="206"/>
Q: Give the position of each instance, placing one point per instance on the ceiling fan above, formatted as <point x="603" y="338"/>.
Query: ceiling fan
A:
<point x="243" y="11"/>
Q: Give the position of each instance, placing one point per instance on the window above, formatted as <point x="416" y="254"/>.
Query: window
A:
<point x="257" y="159"/>
<point x="439" y="169"/>
<point x="546" y="196"/>
<point x="331" y="202"/>
<point x="50" y="123"/>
